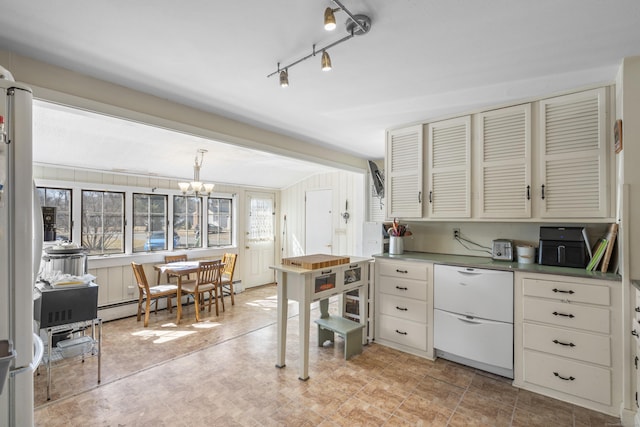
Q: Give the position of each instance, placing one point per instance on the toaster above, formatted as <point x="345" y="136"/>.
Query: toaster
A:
<point x="502" y="250"/>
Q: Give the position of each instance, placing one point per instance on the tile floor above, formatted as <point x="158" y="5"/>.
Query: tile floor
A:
<point x="221" y="372"/>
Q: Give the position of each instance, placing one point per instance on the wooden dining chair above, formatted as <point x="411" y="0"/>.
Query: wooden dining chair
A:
<point x="173" y="258"/>
<point x="208" y="280"/>
<point x="148" y="293"/>
<point x="226" y="282"/>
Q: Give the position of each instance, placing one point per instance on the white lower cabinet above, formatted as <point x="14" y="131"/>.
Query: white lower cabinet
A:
<point x="404" y="306"/>
<point x="566" y="330"/>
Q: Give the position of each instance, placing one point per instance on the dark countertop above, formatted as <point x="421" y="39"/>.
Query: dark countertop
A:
<point x="484" y="262"/>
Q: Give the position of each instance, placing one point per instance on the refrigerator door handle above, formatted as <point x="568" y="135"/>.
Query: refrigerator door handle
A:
<point x="37" y="357"/>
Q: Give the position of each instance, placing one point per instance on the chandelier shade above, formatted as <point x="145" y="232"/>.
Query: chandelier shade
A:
<point x="197" y="187"/>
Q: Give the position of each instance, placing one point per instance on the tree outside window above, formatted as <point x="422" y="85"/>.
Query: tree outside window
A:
<point x="60" y="198"/>
<point x="219" y="222"/>
<point x="150" y="223"/>
<point x="103" y="222"/>
<point x="187" y="220"/>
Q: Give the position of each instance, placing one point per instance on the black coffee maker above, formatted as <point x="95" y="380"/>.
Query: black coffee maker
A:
<point x="563" y="246"/>
<point x="49" y="221"/>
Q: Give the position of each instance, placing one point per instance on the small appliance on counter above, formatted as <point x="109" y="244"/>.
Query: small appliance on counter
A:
<point x="563" y="246"/>
<point x="502" y="250"/>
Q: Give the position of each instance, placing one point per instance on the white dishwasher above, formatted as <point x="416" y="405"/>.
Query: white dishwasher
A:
<point x="473" y="317"/>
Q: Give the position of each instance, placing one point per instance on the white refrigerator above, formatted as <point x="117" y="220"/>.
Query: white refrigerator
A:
<point x="20" y="246"/>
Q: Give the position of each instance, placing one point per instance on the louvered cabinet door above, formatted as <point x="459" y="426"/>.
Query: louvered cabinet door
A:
<point x="403" y="170"/>
<point x="573" y="156"/>
<point x="505" y="165"/>
<point x="449" y="168"/>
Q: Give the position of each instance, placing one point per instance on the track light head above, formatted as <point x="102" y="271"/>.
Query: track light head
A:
<point x="329" y="19"/>
<point x="284" y="78"/>
<point x="326" y="61"/>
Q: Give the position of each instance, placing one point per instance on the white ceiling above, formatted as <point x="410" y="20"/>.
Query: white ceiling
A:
<point x="421" y="60"/>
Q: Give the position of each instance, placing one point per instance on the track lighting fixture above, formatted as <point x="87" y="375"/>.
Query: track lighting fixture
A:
<point x="284" y="78"/>
<point x="356" y="25"/>
<point x="329" y="19"/>
<point x="326" y="61"/>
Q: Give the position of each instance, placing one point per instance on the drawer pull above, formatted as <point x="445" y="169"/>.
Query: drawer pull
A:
<point x="400" y="332"/>
<point x="402" y="271"/>
<point x="563" y="292"/>
<point x="401" y="308"/>
<point x="563" y="378"/>
<point x="571" y="316"/>
<point x="402" y="288"/>
<point x="635" y="333"/>
<point x="637" y="309"/>
<point x="325" y="272"/>
<point x="564" y="343"/>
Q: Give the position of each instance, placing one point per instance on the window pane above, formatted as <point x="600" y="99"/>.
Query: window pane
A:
<point x="103" y="222"/>
<point x="187" y="217"/>
<point x="261" y="220"/>
<point x="219" y="222"/>
<point x="60" y="198"/>
<point x="149" y="222"/>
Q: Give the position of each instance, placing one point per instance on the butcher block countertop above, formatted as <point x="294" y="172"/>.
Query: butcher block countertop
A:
<point x="485" y="262"/>
<point x="301" y="270"/>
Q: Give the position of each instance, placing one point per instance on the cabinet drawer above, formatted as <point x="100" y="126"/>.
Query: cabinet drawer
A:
<point x="405" y="308"/>
<point x="353" y="276"/>
<point x="405" y="332"/>
<point x="574" y="292"/>
<point x="568" y="343"/>
<point x="404" y="288"/>
<point x="405" y="270"/>
<point x="567" y="376"/>
<point x="593" y="319"/>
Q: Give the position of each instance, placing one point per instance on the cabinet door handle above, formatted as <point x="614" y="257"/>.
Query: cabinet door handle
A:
<point x="401" y="308"/>
<point x="400" y="332"/>
<point x="325" y="272"/>
<point x="430" y="196"/>
<point x="402" y="271"/>
<point x="564" y="343"/>
<point x="402" y="288"/>
<point x="528" y="192"/>
<point x="542" y="191"/>
<point x="637" y="309"/>
<point x="571" y="316"/>
<point x="635" y="333"/>
<point x="563" y="378"/>
<point x="563" y="292"/>
<point x="419" y="196"/>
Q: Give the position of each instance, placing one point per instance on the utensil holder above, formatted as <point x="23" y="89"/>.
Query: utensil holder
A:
<point x="396" y="245"/>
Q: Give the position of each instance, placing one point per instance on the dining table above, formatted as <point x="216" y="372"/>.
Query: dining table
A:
<point x="178" y="269"/>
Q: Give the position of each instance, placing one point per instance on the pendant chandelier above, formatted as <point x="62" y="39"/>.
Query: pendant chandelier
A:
<point x="196" y="187"/>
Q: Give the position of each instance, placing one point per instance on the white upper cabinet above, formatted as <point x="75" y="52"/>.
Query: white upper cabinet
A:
<point x="449" y="168"/>
<point x="504" y="164"/>
<point x="403" y="170"/>
<point x="572" y="156"/>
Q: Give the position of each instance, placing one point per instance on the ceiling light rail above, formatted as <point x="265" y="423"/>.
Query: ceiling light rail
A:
<point x="356" y="25"/>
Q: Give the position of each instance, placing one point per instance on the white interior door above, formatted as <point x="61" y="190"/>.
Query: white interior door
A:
<point x="259" y="250"/>
<point x="318" y="222"/>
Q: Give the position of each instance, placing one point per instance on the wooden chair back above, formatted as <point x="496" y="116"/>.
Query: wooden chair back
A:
<point x="229" y="261"/>
<point x="174" y="258"/>
<point x="209" y="272"/>
<point x="141" y="278"/>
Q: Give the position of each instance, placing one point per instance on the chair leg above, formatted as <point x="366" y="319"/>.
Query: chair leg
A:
<point x="139" y="306"/>
<point x="233" y="302"/>
<point x="221" y="295"/>
<point x="197" y="305"/>
<point x="215" y="290"/>
<point x="169" y="304"/>
<point x="146" y="312"/>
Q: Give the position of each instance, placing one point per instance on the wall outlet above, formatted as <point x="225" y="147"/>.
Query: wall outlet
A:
<point x="456" y="233"/>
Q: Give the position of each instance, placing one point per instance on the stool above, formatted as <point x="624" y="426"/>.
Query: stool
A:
<point x="329" y="325"/>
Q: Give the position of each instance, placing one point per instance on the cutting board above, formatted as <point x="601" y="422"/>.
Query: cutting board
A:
<point x="313" y="262"/>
